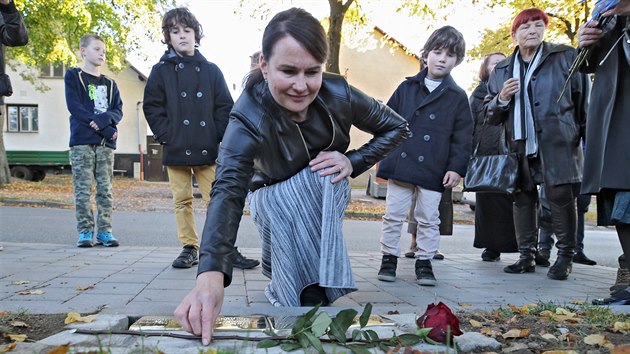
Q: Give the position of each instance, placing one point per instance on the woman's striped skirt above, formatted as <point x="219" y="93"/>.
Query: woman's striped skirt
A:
<point x="300" y="223"/>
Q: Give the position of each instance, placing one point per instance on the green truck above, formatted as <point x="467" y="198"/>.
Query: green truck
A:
<point x="33" y="165"/>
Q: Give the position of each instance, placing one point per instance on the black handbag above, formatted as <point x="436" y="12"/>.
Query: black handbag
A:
<point x="492" y="173"/>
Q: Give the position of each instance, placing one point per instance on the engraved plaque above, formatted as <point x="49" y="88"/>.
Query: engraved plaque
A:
<point x="223" y="323"/>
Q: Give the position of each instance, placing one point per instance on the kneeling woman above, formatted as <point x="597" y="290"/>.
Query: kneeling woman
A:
<point x="287" y="143"/>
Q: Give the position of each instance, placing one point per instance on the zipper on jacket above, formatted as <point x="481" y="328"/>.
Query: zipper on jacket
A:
<point x="303" y="141"/>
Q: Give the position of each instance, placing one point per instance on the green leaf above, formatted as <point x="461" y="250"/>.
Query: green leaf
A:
<point x="320" y="324"/>
<point x="289" y="347"/>
<point x="315" y="342"/>
<point x="384" y="346"/>
<point x="267" y="343"/>
<point x="311" y="313"/>
<point x="345" y="318"/>
<point x="423" y="332"/>
<point x="299" y="325"/>
<point x="365" y="316"/>
<point x="409" y="339"/>
<point x="370" y="335"/>
<point x="302" y="338"/>
<point x="356" y="334"/>
<point x="358" y="348"/>
<point x="336" y="332"/>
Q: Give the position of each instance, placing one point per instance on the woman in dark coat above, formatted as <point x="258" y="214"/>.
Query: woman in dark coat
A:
<point x="287" y="143"/>
<point x="494" y="224"/>
<point x="607" y="162"/>
<point x="544" y="127"/>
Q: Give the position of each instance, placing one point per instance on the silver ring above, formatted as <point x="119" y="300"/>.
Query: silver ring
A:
<point x="340" y="169"/>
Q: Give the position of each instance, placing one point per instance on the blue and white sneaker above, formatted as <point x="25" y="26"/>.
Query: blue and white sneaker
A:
<point x="85" y="239"/>
<point x="106" y="239"/>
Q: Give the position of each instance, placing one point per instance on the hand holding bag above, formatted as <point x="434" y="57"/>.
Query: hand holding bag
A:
<point x="492" y="173"/>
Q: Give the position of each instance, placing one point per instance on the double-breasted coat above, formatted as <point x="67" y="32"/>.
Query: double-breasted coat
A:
<point x="441" y="128"/>
<point x="187" y="105"/>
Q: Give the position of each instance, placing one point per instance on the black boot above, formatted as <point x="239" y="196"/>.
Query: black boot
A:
<point x="526" y="229"/>
<point x="388" y="268"/>
<point x="564" y="224"/>
<point x="561" y="269"/>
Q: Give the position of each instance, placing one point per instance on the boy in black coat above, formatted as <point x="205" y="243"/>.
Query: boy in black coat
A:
<point x="187" y="104"/>
<point x="432" y="159"/>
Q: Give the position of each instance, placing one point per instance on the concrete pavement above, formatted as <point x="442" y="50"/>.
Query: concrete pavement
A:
<point x="127" y="282"/>
<point x="138" y="281"/>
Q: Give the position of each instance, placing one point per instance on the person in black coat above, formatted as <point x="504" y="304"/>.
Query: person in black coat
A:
<point x="12" y="33"/>
<point x="545" y="127"/>
<point x="433" y="159"/>
<point x="494" y="223"/>
<point x="286" y="151"/>
<point x="607" y="162"/>
<point x="187" y="103"/>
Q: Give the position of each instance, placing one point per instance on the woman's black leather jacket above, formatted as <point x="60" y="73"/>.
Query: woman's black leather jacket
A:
<point x="261" y="146"/>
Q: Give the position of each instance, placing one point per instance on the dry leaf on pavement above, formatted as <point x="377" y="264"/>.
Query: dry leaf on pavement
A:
<point x="62" y="349"/>
<point x="30" y="292"/>
<point x="17" y="337"/>
<point x="516" y="333"/>
<point x="489" y="332"/>
<point x="19" y="324"/>
<point x="76" y="317"/>
<point x="621" y="349"/>
<point x="8" y="348"/>
<point x="84" y="288"/>
<point x="476" y="323"/>
<point x="621" y="326"/>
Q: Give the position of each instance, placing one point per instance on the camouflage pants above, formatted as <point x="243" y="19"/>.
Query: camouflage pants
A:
<point x="92" y="163"/>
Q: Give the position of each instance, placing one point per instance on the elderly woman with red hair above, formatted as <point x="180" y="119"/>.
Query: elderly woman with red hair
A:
<point x="545" y="128"/>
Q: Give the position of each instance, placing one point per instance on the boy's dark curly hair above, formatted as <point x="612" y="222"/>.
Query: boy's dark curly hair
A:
<point x="180" y="16"/>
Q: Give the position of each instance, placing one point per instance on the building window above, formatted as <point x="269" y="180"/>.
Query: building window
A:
<point x="52" y="70"/>
<point x="22" y="118"/>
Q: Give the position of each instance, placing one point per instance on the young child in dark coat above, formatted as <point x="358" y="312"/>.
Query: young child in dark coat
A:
<point x="432" y="159"/>
<point x="187" y="104"/>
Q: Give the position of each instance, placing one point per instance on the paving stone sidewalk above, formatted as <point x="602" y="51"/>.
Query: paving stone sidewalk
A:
<point x="131" y="282"/>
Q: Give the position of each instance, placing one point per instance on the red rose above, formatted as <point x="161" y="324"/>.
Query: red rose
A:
<point x="440" y="318"/>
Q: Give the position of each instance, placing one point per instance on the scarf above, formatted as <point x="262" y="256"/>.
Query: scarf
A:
<point x="523" y="116"/>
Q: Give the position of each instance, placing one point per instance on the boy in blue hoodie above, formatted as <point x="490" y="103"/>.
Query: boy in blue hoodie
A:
<point x="95" y="109"/>
<point x="432" y="159"/>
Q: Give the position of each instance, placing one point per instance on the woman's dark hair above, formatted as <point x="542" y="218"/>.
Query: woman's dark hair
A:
<point x="484" y="74"/>
<point x="527" y="15"/>
<point x="446" y="37"/>
<point x="301" y="26"/>
<point x="180" y="16"/>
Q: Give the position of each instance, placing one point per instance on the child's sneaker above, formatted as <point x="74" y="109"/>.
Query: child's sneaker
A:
<point x="388" y="268"/>
<point x="424" y="273"/>
<point x="85" y="239"/>
<point x="106" y="239"/>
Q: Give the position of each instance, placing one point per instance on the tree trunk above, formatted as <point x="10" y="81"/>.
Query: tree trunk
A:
<point x="5" y="174"/>
<point x="337" y="14"/>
